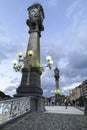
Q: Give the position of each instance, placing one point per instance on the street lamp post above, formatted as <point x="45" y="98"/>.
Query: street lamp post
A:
<point x="57" y="90"/>
<point x="30" y="64"/>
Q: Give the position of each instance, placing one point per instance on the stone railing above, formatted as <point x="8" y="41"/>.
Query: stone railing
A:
<point x="12" y="108"/>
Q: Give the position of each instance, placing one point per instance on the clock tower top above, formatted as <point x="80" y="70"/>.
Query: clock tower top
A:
<point x="36" y="16"/>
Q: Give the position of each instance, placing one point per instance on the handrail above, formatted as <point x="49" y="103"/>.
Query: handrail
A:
<point x="12" y="108"/>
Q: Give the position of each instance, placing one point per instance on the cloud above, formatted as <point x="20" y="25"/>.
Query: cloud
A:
<point x="8" y="77"/>
<point x="76" y="14"/>
<point x="51" y="3"/>
<point x="81" y="32"/>
<point x="73" y="7"/>
<point x="9" y="47"/>
<point x="15" y="80"/>
<point x="10" y="90"/>
<point x="2" y="57"/>
<point x="78" y="61"/>
<point x="72" y="86"/>
<point x="47" y="81"/>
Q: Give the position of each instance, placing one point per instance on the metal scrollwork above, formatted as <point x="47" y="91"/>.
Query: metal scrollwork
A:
<point x="10" y="109"/>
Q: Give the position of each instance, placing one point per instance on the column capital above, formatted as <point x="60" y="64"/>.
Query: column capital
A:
<point x="35" y="20"/>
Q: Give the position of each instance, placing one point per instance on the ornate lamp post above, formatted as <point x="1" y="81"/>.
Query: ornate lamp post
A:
<point x="57" y="91"/>
<point x="30" y="64"/>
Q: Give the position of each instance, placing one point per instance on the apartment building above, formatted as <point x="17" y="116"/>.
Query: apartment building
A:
<point x="79" y="91"/>
<point x="83" y="88"/>
<point x="75" y="93"/>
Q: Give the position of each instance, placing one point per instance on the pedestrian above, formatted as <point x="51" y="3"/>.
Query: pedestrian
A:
<point x="66" y="103"/>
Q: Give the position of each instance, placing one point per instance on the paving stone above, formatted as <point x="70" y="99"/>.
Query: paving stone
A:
<point x="49" y="121"/>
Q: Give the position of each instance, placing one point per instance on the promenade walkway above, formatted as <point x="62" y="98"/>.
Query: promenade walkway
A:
<point x="61" y="109"/>
<point x="54" y="118"/>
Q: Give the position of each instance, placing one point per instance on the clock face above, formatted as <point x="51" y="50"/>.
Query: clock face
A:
<point x="33" y="12"/>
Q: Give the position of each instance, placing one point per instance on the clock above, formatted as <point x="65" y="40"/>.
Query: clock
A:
<point x="56" y="72"/>
<point x="33" y="12"/>
<point x="36" y="16"/>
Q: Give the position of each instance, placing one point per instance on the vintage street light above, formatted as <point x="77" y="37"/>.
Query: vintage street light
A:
<point x="57" y="90"/>
<point x="30" y="64"/>
<point x="57" y="93"/>
<point x="17" y="65"/>
<point x="27" y="61"/>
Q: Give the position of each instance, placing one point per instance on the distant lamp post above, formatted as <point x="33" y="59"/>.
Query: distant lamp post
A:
<point x="57" y="93"/>
<point x="57" y="90"/>
<point x="71" y="95"/>
<point x="57" y="96"/>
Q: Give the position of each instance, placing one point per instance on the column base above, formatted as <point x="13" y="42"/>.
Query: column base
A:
<point x="37" y="103"/>
<point x="28" y="91"/>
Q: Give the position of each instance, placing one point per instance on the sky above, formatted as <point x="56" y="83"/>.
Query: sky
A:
<point x="64" y="38"/>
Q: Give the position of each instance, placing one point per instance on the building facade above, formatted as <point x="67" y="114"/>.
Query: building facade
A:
<point x="75" y="93"/>
<point x="84" y="88"/>
<point x="78" y="94"/>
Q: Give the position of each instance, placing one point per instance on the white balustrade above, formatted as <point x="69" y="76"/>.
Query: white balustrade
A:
<point x="12" y="108"/>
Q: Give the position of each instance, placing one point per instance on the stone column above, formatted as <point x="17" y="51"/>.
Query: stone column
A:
<point x="30" y="82"/>
<point x="56" y="75"/>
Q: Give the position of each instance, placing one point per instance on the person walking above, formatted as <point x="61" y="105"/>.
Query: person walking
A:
<point x="66" y="103"/>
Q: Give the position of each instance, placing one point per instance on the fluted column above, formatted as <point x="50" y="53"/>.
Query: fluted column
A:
<point x="57" y="95"/>
<point x="30" y="82"/>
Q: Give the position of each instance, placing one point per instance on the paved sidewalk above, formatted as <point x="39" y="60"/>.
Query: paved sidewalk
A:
<point x="61" y="109"/>
<point x="3" y="119"/>
<point x="54" y="118"/>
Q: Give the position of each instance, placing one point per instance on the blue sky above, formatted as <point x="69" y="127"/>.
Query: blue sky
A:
<point x="64" y="38"/>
